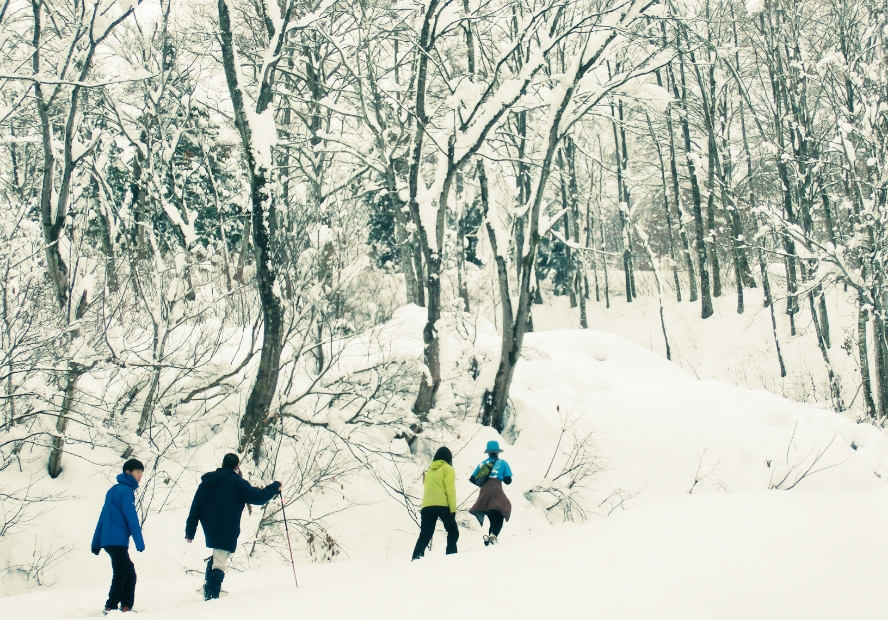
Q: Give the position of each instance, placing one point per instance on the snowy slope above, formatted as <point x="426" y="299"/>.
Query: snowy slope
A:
<point x="736" y="348"/>
<point x="817" y="550"/>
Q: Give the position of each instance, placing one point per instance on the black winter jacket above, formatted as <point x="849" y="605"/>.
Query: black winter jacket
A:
<point x="218" y="504"/>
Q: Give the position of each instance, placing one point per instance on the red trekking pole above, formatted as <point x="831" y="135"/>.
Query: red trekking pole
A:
<point x="290" y="546"/>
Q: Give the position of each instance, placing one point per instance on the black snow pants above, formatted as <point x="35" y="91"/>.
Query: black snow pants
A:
<point x="429" y="518"/>
<point x="123" y="583"/>
<point x="496" y="521"/>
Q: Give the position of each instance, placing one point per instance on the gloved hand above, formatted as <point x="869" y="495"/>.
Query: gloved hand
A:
<point x="96" y="551"/>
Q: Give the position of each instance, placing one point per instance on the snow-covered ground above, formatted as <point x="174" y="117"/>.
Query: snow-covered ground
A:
<point x="754" y="554"/>
<point x="736" y="348"/>
<point x="681" y="520"/>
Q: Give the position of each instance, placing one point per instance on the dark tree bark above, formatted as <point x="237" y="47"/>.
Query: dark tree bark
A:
<point x="705" y="292"/>
<point x="668" y="211"/>
<point x="256" y="415"/>
<point x="863" y="356"/>
<point x="623" y="199"/>
<point x="676" y="197"/>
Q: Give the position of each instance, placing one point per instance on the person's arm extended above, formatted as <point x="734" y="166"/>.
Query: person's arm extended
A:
<point x="256" y="496"/>
<point x="450" y="487"/>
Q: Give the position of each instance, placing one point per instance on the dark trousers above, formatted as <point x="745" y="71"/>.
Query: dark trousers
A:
<point x="496" y="521"/>
<point x="429" y="518"/>
<point x="123" y="583"/>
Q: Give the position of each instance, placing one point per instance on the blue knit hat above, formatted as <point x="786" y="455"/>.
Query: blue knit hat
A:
<point x="493" y="447"/>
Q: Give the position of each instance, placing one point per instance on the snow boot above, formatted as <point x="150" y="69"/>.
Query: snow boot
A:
<point x="489" y="540"/>
<point x="130" y="609"/>
<point x="108" y="610"/>
<point x="207" y="577"/>
<point x="214" y="584"/>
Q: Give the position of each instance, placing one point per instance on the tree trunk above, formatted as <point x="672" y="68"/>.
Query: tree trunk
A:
<point x="105" y="226"/>
<point x="245" y="245"/>
<point x="710" y="208"/>
<point x="52" y="224"/>
<point x="881" y="362"/>
<point x="835" y="387"/>
<point x="462" y="286"/>
<point x="623" y="207"/>
<point x="863" y="356"/>
<point x="824" y="316"/>
<point x="431" y="381"/>
<point x="509" y="351"/>
<point x="706" y="294"/>
<point x="158" y="346"/>
<point x="54" y="465"/>
<point x="410" y="267"/>
<point x="405" y="255"/>
<point x="766" y="289"/>
<point x="668" y="211"/>
<point x="258" y="404"/>
<point x="567" y="220"/>
<point x="256" y="414"/>
<point x="607" y="301"/>
<point x="676" y="197"/>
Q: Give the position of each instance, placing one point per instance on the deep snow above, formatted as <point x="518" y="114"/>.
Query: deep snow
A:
<point x="730" y="549"/>
<point x="754" y="554"/>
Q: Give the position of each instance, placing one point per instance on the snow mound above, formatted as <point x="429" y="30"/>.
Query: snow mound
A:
<point x="659" y="428"/>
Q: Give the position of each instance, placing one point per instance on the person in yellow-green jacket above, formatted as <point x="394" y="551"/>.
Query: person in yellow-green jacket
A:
<point x="438" y="502"/>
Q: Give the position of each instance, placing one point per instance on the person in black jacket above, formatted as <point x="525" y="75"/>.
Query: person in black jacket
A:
<point x="218" y="504"/>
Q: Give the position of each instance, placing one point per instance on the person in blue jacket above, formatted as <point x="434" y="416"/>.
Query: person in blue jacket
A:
<point x="492" y="501"/>
<point x="217" y="505"/>
<point x="117" y="523"/>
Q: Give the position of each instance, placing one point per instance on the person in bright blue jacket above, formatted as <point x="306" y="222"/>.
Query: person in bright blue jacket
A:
<point x="217" y="506"/>
<point x="117" y="523"/>
<point x="492" y="501"/>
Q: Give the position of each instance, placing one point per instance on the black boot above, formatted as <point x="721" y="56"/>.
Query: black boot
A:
<point x="214" y="584"/>
<point x="207" y="577"/>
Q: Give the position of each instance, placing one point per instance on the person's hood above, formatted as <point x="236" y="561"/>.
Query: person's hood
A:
<point x="217" y="477"/>
<point x="128" y="480"/>
<point x="438" y="465"/>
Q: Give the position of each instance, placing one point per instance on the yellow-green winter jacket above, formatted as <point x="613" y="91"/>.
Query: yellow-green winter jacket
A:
<point x="440" y="486"/>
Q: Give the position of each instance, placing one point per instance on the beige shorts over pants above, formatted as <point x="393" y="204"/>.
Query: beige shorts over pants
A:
<point x="221" y="559"/>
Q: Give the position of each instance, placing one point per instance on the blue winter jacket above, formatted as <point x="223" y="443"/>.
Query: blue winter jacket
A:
<point x="500" y="471"/>
<point x="218" y="504"/>
<point x="119" y="520"/>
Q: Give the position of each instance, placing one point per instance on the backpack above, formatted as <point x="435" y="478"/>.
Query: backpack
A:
<point x="483" y="474"/>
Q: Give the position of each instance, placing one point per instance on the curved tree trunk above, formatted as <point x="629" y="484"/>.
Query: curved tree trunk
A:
<point x="256" y="415"/>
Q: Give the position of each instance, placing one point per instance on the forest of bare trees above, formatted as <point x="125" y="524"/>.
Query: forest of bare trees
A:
<point x="206" y="203"/>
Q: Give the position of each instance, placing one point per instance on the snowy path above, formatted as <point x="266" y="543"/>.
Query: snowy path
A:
<point x="761" y="555"/>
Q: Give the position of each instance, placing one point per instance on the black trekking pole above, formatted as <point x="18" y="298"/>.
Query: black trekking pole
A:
<point x="290" y="546"/>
